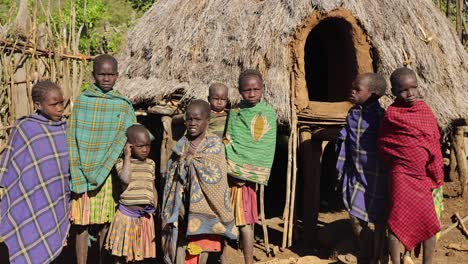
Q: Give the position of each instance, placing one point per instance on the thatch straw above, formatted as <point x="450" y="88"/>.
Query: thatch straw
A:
<point x="189" y="44"/>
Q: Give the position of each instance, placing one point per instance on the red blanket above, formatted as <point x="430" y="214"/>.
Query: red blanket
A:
<point x="410" y="148"/>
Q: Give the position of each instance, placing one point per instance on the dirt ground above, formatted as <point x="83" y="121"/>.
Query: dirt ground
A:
<point x="335" y="237"/>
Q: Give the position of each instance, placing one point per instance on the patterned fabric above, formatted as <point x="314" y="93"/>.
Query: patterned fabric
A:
<point x="438" y="196"/>
<point x="217" y="123"/>
<point x="140" y="189"/>
<point x="409" y="146"/>
<point x="132" y="237"/>
<point x="358" y="166"/>
<point x="95" y="207"/>
<point x="250" y="142"/>
<point x="244" y="203"/>
<point x="204" y="175"/>
<point x="34" y="175"/>
<point x="96" y="136"/>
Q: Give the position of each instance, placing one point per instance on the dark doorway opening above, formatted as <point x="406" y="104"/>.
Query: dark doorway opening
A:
<point x="330" y="60"/>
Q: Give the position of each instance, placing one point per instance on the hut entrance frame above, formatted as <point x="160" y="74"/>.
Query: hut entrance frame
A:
<point x="328" y="51"/>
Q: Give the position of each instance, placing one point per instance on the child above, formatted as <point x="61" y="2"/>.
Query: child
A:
<point x="410" y="148"/>
<point x="197" y="211"/>
<point x="218" y="96"/>
<point x="96" y="138"/>
<point x="34" y="177"/>
<point x="131" y="234"/>
<point x="250" y="147"/>
<point x="364" y="183"/>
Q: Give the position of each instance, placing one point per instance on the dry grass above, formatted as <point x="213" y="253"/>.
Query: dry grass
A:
<point x="189" y="44"/>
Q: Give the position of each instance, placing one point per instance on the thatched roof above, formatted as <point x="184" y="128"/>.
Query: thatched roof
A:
<point x="189" y="44"/>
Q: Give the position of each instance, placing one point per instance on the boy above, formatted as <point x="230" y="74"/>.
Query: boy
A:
<point x="196" y="210"/>
<point x="364" y="183"/>
<point x="218" y="96"/>
<point x="250" y="148"/>
<point x="96" y="138"/>
<point x="137" y="202"/>
<point x="409" y="146"/>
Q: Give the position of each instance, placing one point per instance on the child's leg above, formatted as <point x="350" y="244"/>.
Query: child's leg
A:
<point x="223" y="258"/>
<point x="379" y="240"/>
<point x="428" y="250"/>
<point x="246" y="236"/>
<point x="81" y="244"/>
<point x="362" y="234"/>
<point x="102" y="239"/>
<point x="180" y="255"/>
<point x="203" y="258"/>
<point x="394" y="247"/>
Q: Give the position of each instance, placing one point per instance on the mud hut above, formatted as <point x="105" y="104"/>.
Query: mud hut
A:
<point x="308" y="52"/>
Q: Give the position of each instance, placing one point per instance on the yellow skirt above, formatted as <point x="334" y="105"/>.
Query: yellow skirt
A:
<point x="132" y="238"/>
<point x="95" y="207"/>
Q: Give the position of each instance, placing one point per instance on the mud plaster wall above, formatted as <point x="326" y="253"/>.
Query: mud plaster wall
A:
<point x="300" y="94"/>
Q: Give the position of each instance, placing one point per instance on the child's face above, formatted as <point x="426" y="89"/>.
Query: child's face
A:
<point x="218" y="99"/>
<point x="359" y="92"/>
<point x="196" y="121"/>
<point x="105" y="75"/>
<point x="52" y="105"/>
<point x="407" y="91"/>
<point x="141" y="145"/>
<point x="251" y="90"/>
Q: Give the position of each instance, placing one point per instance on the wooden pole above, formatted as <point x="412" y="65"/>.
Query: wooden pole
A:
<point x="294" y="176"/>
<point x="288" y="193"/>
<point x="460" y="155"/>
<point x="264" y="222"/>
<point x="447" y="11"/>
<point x="311" y="153"/>
<point x="459" y="19"/>
<point x="453" y="174"/>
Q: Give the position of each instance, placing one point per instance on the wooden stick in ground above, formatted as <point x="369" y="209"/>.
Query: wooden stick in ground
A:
<point x="461" y="225"/>
<point x="264" y="223"/>
<point x="294" y="174"/>
<point x="460" y="154"/>
<point x="459" y="18"/>
<point x="453" y="174"/>
<point x="452" y="226"/>
<point x="288" y="193"/>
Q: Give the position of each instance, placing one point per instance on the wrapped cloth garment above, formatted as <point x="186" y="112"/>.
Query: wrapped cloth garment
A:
<point x="359" y="167"/>
<point x="34" y="174"/>
<point x="96" y="136"/>
<point x="410" y="148"/>
<point x="250" y="142"/>
<point x="197" y="190"/>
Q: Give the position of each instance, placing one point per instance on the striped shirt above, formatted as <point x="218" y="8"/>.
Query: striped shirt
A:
<point x="140" y="189"/>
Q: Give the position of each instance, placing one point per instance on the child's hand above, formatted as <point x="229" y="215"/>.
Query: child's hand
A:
<point x="128" y="150"/>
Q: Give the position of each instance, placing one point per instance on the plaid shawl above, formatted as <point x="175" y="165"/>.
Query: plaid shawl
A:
<point x="209" y="202"/>
<point x="96" y="136"/>
<point x="250" y="142"/>
<point x="358" y="166"/>
<point x="410" y="148"/>
<point x="34" y="172"/>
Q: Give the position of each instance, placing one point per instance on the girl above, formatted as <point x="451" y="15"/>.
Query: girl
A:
<point x="131" y="234"/>
<point x="34" y="180"/>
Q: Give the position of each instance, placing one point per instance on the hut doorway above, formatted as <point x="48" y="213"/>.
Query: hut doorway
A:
<point x="330" y="60"/>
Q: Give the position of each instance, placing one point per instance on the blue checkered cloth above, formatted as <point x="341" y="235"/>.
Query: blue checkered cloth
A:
<point x="34" y="178"/>
<point x="358" y="165"/>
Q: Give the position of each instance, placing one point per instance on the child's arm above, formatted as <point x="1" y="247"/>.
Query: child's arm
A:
<point x="126" y="171"/>
<point x="155" y="197"/>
